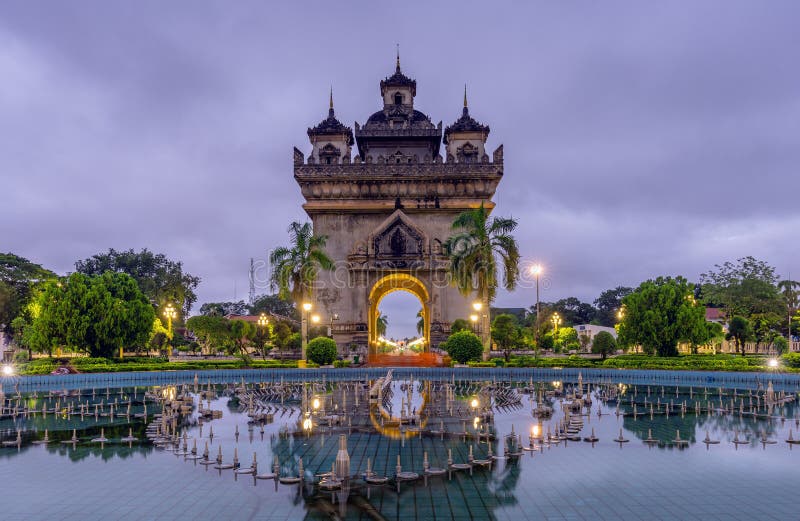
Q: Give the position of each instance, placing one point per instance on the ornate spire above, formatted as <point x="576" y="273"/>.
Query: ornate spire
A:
<point x="465" y="95"/>
<point x="397" y="70"/>
<point x="330" y="104"/>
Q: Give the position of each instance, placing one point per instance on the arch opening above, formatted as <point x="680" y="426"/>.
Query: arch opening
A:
<point x="390" y="284"/>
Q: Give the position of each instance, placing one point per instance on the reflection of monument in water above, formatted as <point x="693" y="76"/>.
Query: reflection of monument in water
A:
<point x="388" y="208"/>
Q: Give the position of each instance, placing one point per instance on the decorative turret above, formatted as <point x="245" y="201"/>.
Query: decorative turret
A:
<point x="397" y="133"/>
<point x="465" y="139"/>
<point x="332" y="141"/>
<point x="398" y="90"/>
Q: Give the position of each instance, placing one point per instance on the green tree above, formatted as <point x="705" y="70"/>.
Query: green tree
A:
<point x="322" y="350"/>
<point x="213" y="333"/>
<point x="98" y="314"/>
<point x="459" y="324"/>
<point x="766" y="327"/>
<point x="604" y="344"/>
<point x="295" y="268"/>
<point x="420" y="322"/>
<point x="781" y="345"/>
<point x="473" y="251"/>
<point x="275" y="306"/>
<point x="740" y="331"/>
<point x="573" y="311"/>
<point x="506" y="332"/>
<point x="221" y="309"/>
<point x="660" y="314"/>
<point x="242" y="333"/>
<point x="567" y="339"/>
<point x="609" y="303"/>
<point x="464" y="346"/>
<point x="790" y="290"/>
<point x="745" y="288"/>
<point x="162" y="280"/>
<point x="18" y="276"/>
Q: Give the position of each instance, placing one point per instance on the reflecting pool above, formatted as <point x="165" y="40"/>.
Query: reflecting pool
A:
<point x="402" y="447"/>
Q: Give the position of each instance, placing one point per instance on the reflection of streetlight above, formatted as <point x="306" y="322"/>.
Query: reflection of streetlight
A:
<point x="474" y="319"/>
<point x="536" y="270"/>
<point x="304" y="332"/>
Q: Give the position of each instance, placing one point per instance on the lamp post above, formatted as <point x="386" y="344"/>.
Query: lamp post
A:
<point x="474" y="319"/>
<point x="304" y="334"/>
<point x="556" y="319"/>
<point x="263" y="322"/>
<point x="170" y="313"/>
<point x="536" y="270"/>
<point x="478" y="307"/>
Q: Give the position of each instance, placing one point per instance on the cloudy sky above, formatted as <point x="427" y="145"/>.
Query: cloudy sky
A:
<point x="641" y="138"/>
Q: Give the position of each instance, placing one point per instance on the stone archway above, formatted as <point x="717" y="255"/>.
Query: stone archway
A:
<point x="397" y="282"/>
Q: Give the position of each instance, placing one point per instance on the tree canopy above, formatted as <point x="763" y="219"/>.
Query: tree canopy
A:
<point x="661" y="313"/>
<point x="162" y="280"/>
<point x="221" y="309"/>
<point x="295" y="268"/>
<point x="608" y="304"/>
<point x="604" y="344"/>
<point x="97" y="314"/>
<point x="745" y="287"/>
<point x="18" y="275"/>
<point x="473" y="250"/>
<point x="506" y="332"/>
<point x="275" y="306"/>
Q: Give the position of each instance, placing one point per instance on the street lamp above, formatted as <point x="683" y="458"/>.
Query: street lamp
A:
<point x="474" y="319"/>
<point x="536" y="270"/>
<point x="262" y="322"/>
<point x="304" y="333"/>
<point x="170" y="313"/>
<point x="484" y="327"/>
<point x="556" y="319"/>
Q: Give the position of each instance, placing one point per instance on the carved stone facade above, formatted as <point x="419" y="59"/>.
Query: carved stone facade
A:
<point x="388" y="210"/>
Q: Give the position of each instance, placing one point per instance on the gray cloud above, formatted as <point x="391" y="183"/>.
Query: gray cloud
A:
<point x="640" y="139"/>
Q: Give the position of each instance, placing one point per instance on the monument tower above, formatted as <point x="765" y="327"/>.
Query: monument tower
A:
<point x="388" y="207"/>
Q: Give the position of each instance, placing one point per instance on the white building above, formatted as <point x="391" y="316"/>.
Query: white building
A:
<point x="591" y="330"/>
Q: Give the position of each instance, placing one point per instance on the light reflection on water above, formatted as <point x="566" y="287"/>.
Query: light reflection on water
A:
<point x="604" y="480"/>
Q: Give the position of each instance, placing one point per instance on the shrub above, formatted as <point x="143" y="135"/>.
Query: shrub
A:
<point x="791" y="360"/>
<point x="322" y="350"/>
<point x="464" y="346"/>
<point x="780" y="344"/>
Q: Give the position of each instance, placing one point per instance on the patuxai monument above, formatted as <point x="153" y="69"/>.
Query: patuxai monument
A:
<point x="386" y="196"/>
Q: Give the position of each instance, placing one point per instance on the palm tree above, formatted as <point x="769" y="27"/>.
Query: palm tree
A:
<point x="421" y="321"/>
<point x="382" y="323"/>
<point x="473" y="251"/>
<point x="791" y="294"/>
<point x="295" y="268"/>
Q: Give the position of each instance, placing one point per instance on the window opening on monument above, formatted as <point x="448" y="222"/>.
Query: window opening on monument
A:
<point x="401" y="311"/>
<point x="398" y="99"/>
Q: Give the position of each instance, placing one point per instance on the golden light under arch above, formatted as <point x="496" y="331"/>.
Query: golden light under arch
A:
<point x="397" y="282"/>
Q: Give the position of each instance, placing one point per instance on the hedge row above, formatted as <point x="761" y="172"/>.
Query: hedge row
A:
<point x="103" y="365"/>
